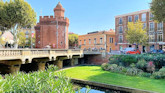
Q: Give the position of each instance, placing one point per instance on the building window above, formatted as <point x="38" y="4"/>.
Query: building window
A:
<point x="27" y="33"/>
<point x="101" y="40"/>
<point x="152" y="38"/>
<point x="89" y="41"/>
<point x="95" y="41"/>
<point x="129" y="18"/>
<point x="120" y="39"/>
<point x="143" y="17"/>
<point x="160" y="37"/>
<point x="80" y="42"/>
<point x="120" y="29"/>
<point x="160" y="26"/>
<point x="152" y="27"/>
<point x="38" y="42"/>
<point x="84" y="42"/>
<point x="136" y="18"/>
<point x="111" y="40"/>
<point x="27" y="36"/>
<point x="120" y="21"/>
<point x="151" y="16"/>
<point x="144" y="25"/>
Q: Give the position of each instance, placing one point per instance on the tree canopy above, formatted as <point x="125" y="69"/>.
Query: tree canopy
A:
<point x="21" y="39"/>
<point x="136" y="34"/>
<point x="73" y="40"/>
<point x="16" y="14"/>
<point x="157" y="8"/>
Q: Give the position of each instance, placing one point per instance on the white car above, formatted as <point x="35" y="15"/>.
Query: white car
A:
<point x="127" y="49"/>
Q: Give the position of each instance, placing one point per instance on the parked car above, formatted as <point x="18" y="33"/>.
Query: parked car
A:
<point x="154" y="51"/>
<point x="133" y="52"/>
<point x="127" y="49"/>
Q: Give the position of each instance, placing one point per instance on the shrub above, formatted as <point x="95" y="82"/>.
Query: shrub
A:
<point x="133" y="71"/>
<point x="112" y="67"/>
<point x="141" y="64"/>
<point x="150" y="67"/>
<point x="128" y="59"/>
<point x="144" y="74"/>
<point x="160" y="74"/>
<point x="104" y="66"/>
<point x="132" y="65"/>
<point x="37" y="82"/>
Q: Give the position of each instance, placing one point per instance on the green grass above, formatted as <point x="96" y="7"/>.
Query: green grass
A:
<point x="95" y="73"/>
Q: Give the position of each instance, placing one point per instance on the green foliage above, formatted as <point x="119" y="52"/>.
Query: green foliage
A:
<point x="133" y="65"/>
<point x="136" y="34"/>
<point x="37" y="82"/>
<point x="33" y="40"/>
<point x="128" y="59"/>
<point x="104" y="66"/>
<point x="73" y="39"/>
<point x="21" y="39"/>
<point x="133" y="71"/>
<point x="16" y="14"/>
<point x="141" y="64"/>
<point x="160" y="74"/>
<point x="125" y="60"/>
<point x="96" y="74"/>
<point x="157" y="8"/>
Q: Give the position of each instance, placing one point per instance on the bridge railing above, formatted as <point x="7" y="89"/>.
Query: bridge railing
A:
<point x="31" y="52"/>
<point x="10" y="53"/>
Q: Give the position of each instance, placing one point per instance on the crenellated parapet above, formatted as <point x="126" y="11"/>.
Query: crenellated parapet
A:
<point x="52" y="19"/>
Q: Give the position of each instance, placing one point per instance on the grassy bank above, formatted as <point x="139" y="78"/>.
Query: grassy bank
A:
<point x="95" y="73"/>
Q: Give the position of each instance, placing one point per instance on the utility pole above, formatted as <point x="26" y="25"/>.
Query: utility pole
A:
<point x="57" y="31"/>
<point x="31" y="37"/>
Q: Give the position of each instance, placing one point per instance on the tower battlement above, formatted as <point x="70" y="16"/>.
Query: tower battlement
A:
<point x="52" y="18"/>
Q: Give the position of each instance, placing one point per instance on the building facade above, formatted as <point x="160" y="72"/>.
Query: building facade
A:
<point x="155" y="30"/>
<point x="53" y="30"/>
<point x="98" y="41"/>
<point x="28" y="33"/>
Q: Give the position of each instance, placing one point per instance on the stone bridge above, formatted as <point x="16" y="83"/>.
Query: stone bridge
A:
<point x="12" y="60"/>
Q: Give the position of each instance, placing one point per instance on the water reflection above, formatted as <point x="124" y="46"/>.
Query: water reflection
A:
<point x="83" y="90"/>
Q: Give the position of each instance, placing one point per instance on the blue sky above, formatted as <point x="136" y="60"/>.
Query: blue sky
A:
<point x="89" y="15"/>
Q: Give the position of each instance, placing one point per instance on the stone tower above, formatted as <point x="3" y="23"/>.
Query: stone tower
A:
<point x="53" y="30"/>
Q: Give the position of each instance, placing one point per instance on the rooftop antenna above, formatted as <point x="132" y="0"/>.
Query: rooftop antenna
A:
<point x="41" y="11"/>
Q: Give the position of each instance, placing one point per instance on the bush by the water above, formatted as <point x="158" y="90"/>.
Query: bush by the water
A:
<point x="160" y="74"/>
<point x="120" y="69"/>
<point x="126" y="60"/>
<point x="142" y="65"/>
<point x="36" y="82"/>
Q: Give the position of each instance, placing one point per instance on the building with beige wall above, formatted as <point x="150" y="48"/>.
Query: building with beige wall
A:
<point x="98" y="40"/>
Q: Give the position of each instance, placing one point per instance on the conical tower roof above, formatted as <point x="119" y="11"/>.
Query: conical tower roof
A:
<point x="59" y="7"/>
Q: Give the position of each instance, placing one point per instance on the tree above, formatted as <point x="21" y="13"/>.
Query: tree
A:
<point x="73" y="40"/>
<point x="157" y="8"/>
<point x="15" y="15"/>
<point x="21" y="39"/>
<point x="33" y="40"/>
<point x="136" y="34"/>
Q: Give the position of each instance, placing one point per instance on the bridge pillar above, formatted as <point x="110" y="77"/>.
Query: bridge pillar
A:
<point x="58" y="63"/>
<point x="10" y="66"/>
<point x="74" y="61"/>
<point x="14" y="68"/>
<point x="41" y="63"/>
<point x="41" y="66"/>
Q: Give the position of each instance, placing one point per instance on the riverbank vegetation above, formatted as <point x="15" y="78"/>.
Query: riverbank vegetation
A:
<point x="36" y="82"/>
<point x="97" y="74"/>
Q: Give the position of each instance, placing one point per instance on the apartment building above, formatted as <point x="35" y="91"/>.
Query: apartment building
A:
<point x="98" y="40"/>
<point x="154" y="30"/>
